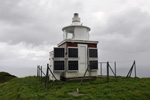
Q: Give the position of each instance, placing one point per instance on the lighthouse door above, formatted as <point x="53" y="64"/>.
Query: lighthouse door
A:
<point x="82" y="57"/>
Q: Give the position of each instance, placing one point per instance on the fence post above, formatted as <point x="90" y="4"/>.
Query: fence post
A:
<point x="107" y="71"/>
<point x="130" y="71"/>
<point x="47" y="76"/>
<point x="101" y="68"/>
<point x="115" y="69"/>
<point x="41" y="74"/>
<point x="37" y="71"/>
<point x="135" y="68"/>
<point x="90" y="72"/>
<point x="84" y="75"/>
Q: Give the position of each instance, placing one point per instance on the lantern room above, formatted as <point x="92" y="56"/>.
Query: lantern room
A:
<point x="75" y="53"/>
<point x="76" y="31"/>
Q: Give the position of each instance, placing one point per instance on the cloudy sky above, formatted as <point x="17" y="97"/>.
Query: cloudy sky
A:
<point x="29" y="29"/>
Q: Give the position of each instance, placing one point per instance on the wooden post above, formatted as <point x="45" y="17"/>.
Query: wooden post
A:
<point x="135" y="68"/>
<point x="84" y="75"/>
<point x="90" y="72"/>
<point x="46" y="82"/>
<point x="130" y="71"/>
<point x="101" y="68"/>
<point x="53" y="74"/>
<point x="115" y="69"/>
<point x="107" y="71"/>
<point x="41" y="74"/>
<point x="37" y="71"/>
<point x="112" y="70"/>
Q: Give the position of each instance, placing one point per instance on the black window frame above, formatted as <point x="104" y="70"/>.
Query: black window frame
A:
<point x="92" y="67"/>
<point x="75" y="68"/>
<point x="90" y="52"/>
<point x="59" y="69"/>
<point x="70" y="56"/>
<point x="62" y="54"/>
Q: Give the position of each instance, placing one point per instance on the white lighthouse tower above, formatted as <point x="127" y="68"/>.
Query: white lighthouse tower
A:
<point x="75" y="53"/>
<point x="76" y="31"/>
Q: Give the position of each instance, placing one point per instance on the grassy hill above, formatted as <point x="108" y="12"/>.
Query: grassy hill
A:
<point x="30" y="88"/>
<point x="4" y="77"/>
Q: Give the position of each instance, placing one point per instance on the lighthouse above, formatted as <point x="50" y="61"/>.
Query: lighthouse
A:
<point x="75" y="53"/>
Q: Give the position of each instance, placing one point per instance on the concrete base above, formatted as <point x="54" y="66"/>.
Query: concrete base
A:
<point x="77" y="74"/>
<point x="78" y="78"/>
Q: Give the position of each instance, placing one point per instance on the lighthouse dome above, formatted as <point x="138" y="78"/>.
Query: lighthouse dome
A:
<point x="76" y="31"/>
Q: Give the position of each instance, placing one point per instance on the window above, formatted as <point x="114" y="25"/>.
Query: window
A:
<point x="72" y="65"/>
<point x="73" y="52"/>
<point x="59" y="52"/>
<point x="93" y="64"/>
<point x="69" y="35"/>
<point x="58" y="65"/>
<point x="93" y="53"/>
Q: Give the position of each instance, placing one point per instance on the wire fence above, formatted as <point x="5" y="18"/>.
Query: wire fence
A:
<point x="46" y="77"/>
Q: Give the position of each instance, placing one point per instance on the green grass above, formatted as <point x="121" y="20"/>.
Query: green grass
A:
<point x="30" y="88"/>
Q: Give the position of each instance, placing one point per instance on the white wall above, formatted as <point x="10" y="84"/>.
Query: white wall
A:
<point x="81" y="33"/>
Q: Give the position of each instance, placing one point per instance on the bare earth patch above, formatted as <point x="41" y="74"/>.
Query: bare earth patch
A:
<point x="75" y="93"/>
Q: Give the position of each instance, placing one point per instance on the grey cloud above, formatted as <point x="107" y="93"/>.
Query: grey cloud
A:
<point x="123" y="33"/>
<point x="127" y="31"/>
<point x="30" y="24"/>
<point x="23" y="55"/>
<point x="125" y="22"/>
<point x="13" y="13"/>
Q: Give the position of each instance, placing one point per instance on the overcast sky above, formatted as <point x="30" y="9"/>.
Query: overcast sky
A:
<point x="29" y="29"/>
